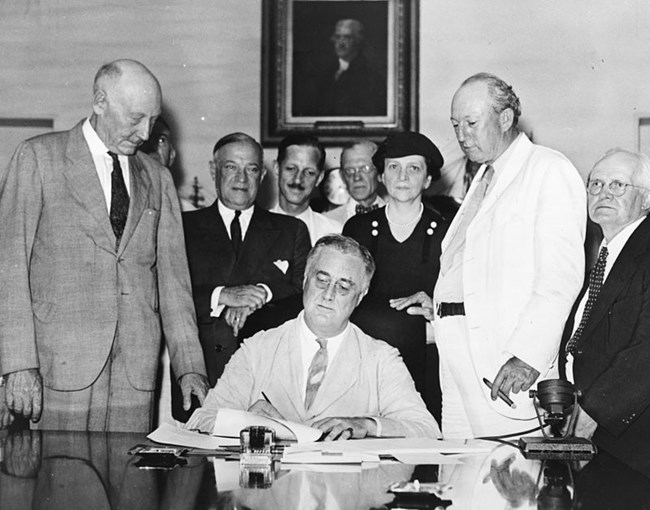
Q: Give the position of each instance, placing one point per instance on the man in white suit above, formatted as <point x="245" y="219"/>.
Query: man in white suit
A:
<point x="362" y="388"/>
<point x="512" y="265"/>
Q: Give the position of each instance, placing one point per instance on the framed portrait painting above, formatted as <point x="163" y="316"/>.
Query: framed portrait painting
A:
<point x="340" y="69"/>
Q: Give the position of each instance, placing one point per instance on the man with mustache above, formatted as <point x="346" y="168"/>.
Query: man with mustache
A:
<point x="300" y="168"/>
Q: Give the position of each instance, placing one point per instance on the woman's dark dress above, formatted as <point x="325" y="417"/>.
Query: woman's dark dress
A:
<point x="402" y="269"/>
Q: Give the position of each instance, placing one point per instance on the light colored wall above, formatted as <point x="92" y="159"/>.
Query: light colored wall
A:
<point x="581" y="68"/>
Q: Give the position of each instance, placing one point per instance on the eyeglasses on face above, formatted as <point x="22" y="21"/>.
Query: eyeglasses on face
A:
<point x="616" y="187"/>
<point x="352" y="170"/>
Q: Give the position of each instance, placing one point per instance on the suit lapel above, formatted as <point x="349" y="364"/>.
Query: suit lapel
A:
<point x="618" y="279"/>
<point x="260" y="236"/>
<point x="342" y="374"/>
<point x="84" y="185"/>
<point x="289" y="363"/>
<point x="215" y="244"/>
<point x="137" y="199"/>
<point x="517" y="160"/>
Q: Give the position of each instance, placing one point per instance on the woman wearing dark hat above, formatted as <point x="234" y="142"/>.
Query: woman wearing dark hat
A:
<point x="404" y="238"/>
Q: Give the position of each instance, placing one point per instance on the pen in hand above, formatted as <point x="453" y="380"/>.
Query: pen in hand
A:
<point x="266" y="398"/>
<point x="502" y="395"/>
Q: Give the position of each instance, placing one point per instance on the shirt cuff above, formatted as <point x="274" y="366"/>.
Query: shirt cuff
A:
<point x="215" y="307"/>
<point x="378" y="424"/>
<point x="269" y="294"/>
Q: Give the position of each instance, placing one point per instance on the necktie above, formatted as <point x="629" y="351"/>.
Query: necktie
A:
<point x="119" y="199"/>
<point x="596" y="278"/>
<point x="362" y="209"/>
<point x="235" y="233"/>
<point x="316" y="372"/>
<point x="474" y="202"/>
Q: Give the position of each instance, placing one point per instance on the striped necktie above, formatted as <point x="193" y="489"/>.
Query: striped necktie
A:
<point x="471" y="208"/>
<point x="316" y="372"/>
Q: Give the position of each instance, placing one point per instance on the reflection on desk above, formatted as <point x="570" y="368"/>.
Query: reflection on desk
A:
<point x="69" y="470"/>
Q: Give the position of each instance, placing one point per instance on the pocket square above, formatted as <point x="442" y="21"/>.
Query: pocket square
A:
<point x="282" y="265"/>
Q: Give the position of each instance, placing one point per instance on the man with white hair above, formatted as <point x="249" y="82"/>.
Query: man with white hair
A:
<point x="511" y="267"/>
<point x="607" y="339"/>
<point x="92" y="273"/>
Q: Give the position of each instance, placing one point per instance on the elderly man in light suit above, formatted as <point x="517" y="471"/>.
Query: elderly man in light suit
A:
<point x="512" y="264"/>
<point x="320" y="369"/>
<point x="93" y="268"/>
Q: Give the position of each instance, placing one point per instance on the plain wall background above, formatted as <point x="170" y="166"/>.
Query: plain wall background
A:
<point x="581" y="68"/>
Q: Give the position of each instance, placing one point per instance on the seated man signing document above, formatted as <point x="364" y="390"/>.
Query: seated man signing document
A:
<point x="321" y="370"/>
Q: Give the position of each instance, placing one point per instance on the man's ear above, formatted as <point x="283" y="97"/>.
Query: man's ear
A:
<point x="275" y="170"/>
<point x="506" y="119"/>
<point x="320" y="178"/>
<point x="262" y="173"/>
<point x="100" y="102"/>
<point x="645" y="205"/>
<point x="213" y="170"/>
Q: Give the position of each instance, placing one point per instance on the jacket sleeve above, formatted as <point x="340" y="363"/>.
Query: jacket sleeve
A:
<point x="20" y="209"/>
<point x="175" y="295"/>
<point x="402" y="410"/>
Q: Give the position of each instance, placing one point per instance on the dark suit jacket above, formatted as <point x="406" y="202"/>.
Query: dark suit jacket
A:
<point x="271" y="240"/>
<point x="613" y="355"/>
<point x="67" y="292"/>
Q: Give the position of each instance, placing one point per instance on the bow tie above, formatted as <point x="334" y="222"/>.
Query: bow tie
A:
<point x="362" y="209"/>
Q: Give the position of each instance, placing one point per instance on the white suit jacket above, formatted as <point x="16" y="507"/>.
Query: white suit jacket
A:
<point x="366" y="378"/>
<point x="523" y="264"/>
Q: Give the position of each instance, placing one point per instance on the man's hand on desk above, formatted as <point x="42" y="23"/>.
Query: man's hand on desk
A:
<point x="252" y="296"/>
<point x="196" y="384"/>
<point x="24" y="393"/>
<point x="338" y="429"/>
<point x="264" y="408"/>
<point x="236" y="317"/>
<point x="515" y="375"/>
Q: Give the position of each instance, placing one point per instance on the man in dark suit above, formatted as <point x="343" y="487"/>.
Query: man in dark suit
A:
<point x="242" y="258"/>
<point x="91" y="271"/>
<point x="607" y="344"/>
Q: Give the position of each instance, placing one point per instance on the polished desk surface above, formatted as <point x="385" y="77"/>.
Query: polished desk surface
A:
<point x="70" y="470"/>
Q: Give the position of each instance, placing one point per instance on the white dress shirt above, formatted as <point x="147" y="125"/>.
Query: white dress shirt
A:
<point x="318" y="224"/>
<point x="104" y="163"/>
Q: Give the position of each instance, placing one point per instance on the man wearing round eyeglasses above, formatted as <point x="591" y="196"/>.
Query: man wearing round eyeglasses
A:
<point x="321" y="370"/>
<point x="606" y="342"/>
<point x="362" y="180"/>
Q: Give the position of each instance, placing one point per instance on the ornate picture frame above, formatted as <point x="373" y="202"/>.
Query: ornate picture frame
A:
<point x="340" y="69"/>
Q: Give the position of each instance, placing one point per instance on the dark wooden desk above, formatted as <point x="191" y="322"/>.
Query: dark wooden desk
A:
<point x="70" y="470"/>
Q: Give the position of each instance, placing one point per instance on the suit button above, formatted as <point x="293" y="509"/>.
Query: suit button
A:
<point x="218" y="347"/>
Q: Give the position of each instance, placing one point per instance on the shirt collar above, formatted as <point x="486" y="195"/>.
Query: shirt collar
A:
<point x="501" y="162"/>
<point x="228" y="214"/>
<point x="616" y="245"/>
<point x="307" y="333"/>
<point x="95" y="143"/>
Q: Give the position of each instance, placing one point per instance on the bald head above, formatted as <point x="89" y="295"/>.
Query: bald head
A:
<point x="126" y="103"/>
